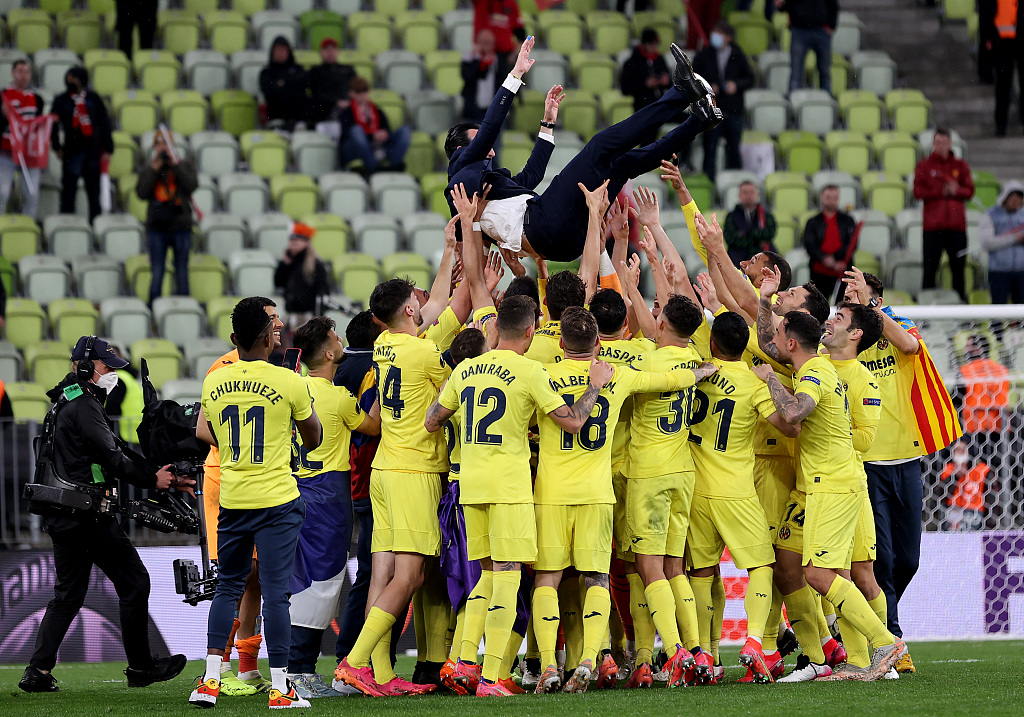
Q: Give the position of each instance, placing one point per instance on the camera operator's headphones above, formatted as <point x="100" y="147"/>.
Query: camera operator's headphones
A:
<point x="86" y="368"/>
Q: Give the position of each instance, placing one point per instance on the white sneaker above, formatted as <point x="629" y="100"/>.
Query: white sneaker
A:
<point x="339" y="686"/>
<point x="805" y="671"/>
<point x="580" y="679"/>
<point x="892" y="674"/>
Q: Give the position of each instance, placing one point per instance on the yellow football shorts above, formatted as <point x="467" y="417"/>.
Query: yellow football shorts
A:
<point x="829" y="528"/>
<point x="405" y="512"/>
<point x="658" y="513"/>
<point x="506" y="532"/>
<point x="620" y="530"/>
<point x="739" y="524"/>
<point x="774" y="480"/>
<point x="790" y="533"/>
<point x="576" y="535"/>
<point x="864" y="535"/>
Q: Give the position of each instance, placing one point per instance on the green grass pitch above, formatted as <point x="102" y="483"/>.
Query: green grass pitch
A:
<point x="958" y="678"/>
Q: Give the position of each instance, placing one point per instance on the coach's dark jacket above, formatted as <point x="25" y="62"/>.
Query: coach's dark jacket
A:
<point x="470" y="166"/>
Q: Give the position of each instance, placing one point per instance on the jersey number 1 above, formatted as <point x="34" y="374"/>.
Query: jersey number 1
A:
<point x="254" y="416"/>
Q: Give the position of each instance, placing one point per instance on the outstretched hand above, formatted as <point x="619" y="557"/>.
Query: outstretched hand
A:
<point x="705" y="289"/>
<point x="771" y="278"/>
<point x="618" y="219"/>
<point x="554" y="98"/>
<point x="646" y="212"/>
<point x="711" y="234"/>
<point x="523" y="62"/>
<point x="464" y="205"/>
<point x="597" y="199"/>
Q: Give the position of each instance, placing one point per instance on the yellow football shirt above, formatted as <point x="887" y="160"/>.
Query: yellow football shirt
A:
<point x="339" y="415"/>
<point x="496" y="395"/>
<point x="768" y="440"/>
<point x="250" y="406"/>
<point x="444" y="329"/>
<point x="865" y="402"/>
<point x="620" y="352"/>
<point x="659" y="427"/>
<point x="451" y="439"/>
<point x="545" y="349"/>
<point x="827" y="462"/>
<point x="409" y="372"/>
<point x="894" y="373"/>
<point x="576" y="469"/>
<point x="726" y="409"/>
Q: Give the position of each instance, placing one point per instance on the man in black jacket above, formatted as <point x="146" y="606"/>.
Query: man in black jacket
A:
<point x="87" y="140"/>
<point x="749" y="228"/>
<point x="830" y="240"/>
<point x="328" y="84"/>
<point x="811" y="25"/>
<point x="283" y="83"/>
<point x="86" y="452"/>
<point x="645" y="76"/>
<point x="553" y="225"/>
<point x="724" y="65"/>
<point x="301" y="276"/>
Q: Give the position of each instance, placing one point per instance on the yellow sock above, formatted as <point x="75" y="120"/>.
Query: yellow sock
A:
<point x="801" y="608"/>
<point x="383" y="671"/>
<point x="824" y="634"/>
<point x="851" y="605"/>
<point x="515" y="640"/>
<point x="770" y="642"/>
<point x="460" y="621"/>
<point x="880" y="607"/>
<point x="758" y="601"/>
<point x="643" y="625"/>
<point x="705" y="609"/>
<point x="501" y="615"/>
<point x="545" y="623"/>
<point x="378" y="624"/>
<point x="449" y="633"/>
<point x="476" y="615"/>
<point x="532" y="651"/>
<point x="571" y="606"/>
<point x="662" y="604"/>
<point x="595" y="622"/>
<point x="718" y="601"/>
<point x="437" y="611"/>
<point x="686" y="612"/>
<point x="419" y="624"/>
<point x="855" y="643"/>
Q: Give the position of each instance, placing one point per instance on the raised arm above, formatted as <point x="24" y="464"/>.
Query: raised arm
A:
<point x="896" y="334"/>
<point x="741" y="290"/>
<point x="472" y="246"/>
<point x="765" y="320"/>
<point x="571" y="418"/>
<point x="590" y="262"/>
<point x="440" y="290"/>
<point x="642" y="320"/>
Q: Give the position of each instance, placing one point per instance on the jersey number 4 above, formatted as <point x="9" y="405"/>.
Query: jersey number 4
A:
<point x="723" y="408"/>
<point x="476" y="427"/>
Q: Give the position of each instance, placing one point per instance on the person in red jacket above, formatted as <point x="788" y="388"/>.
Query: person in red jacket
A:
<point x="502" y="18"/>
<point x="944" y="183"/>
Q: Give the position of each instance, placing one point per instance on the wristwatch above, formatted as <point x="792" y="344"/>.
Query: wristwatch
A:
<point x="874" y="302"/>
<point x="549" y="125"/>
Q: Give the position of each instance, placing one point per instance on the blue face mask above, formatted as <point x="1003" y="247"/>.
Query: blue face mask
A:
<point x="717" y="41"/>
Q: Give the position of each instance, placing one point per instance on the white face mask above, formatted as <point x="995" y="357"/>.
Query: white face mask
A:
<point x="717" y="41"/>
<point x="107" y="381"/>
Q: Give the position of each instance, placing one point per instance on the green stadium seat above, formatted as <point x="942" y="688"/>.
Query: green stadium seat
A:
<point x="294" y="194"/>
<point x="432" y="186"/>
<point x="376" y="234"/>
<point x="183" y="390"/>
<point x="179" y="319"/>
<point x="52" y="65"/>
<point x="849" y="151"/>
<point x="409" y="265"/>
<point x="785" y="234"/>
<point x="162" y="357"/>
<point x="444" y="67"/>
<point x="773" y="68"/>
<point x="986" y="187"/>
<point x="609" y="31"/>
<point x="81" y="30"/>
<point x="67" y="236"/>
<point x="615" y="106"/>
<point x="395" y="194"/>
<point x="702" y="189"/>
<point x="54" y="7"/>
<point x="156" y="70"/>
<point x="802" y="151"/>
<point x="561" y="29"/>
<point x="249" y="7"/>
<point x="932" y="297"/>
<point x="345" y="194"/>
<point x="370" y="31"/>
<point x="982" y="296"/>
<point x="957" y="10"/>
<point x="839" y="70"/>
<point x="97" y="276"/>
<point x="458" y="25"/>
<point x="875" y="71"/>
<point x="44" y="277"/>
<point x="897" y="152"/>
<point x="315" y="153"/>
<point x="269" y="231"/>
<point x="910" y="110"/>
<point x="179" y="30"/>
<point x="234" y="111"/>
<point x="391" y="103"/>
<point x="356" y="275"/>
<point x="332" y="234"/>
<point x="438" y="7"/>
<point x="867" y="262"/>
<point x="593" y="71"/>
<point x="884" y="192"/>
<point x="200" y="7"/>
<point x="252" y="270"/>
<point x="401" y="70"/>
<point x="29" y="401"/>
<point x="580" y="113"/>
<point x="814" y="110"/>
<point x="206" y="71"/>
<point x="767" y="110"/>
<point x="71" y="318"/>
<point x="876" y="234"/>
<point x="424" y="232"/>
<point x="119" y="236"/>
<point x="218" y="311"/>
<point x="419" y="160"/>
<point x="529" y="110"/>
<point x="30" y="29"/>
<point x="185" y="111"/>
<point x="201" y="353"/>
<point x="126" y="320"/>
<point x="581" y="7"/>
<point x="25" y="323"/>
<point x="663" y="22"/>
<point x="391" y="8"/>
<point x="318" y="25"/>
<point x="270" y="24"/>
<point x="431" y="111"/>
<point x="266" y="152"/>
<point x="972" y="271"/>
<point x="216" y="153"/>
<point x="224" y="234"/>
<point x="136" y="110"/>
<point x="418" y="32"/>
<point x="10" y="362"/>
<point x="19" y="236"/>
<point x="7" y="274"/>
<point x="862" y="110"/>
<point x="228" y="31"/>
<point x="788" y="192"/>
<point x="109" y="70"/>
<point x="903" y="271"/>
<point x="125" y="157"/>
<point x="551" y="69"/>
<point x="361" y="61"/>
<point x="753" y="32"/>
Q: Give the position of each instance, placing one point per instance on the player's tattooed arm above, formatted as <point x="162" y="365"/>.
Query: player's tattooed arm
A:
<point x="765" y="329"/>
<point x="792" y="408"/>
<point x="436" y="416"/>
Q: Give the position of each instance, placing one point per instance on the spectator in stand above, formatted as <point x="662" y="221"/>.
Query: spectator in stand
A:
<point x="645" y="76"/>
<point x="483" y="71"/>
<point x="502" y="18"/>
<point x="811" y="24"/>
<point x="1008" y="54"/>
<point x="17" y="97"/>
<point x="366" y="134"/>
<point x="328" y="84"/>
<point x="944" y="183"/>
<point x="829" y="241"/>
<point x="132" y="14"/>
<point x="702" y="16"/>
<point x="966" y="507"/>
<point x="1001" y="231"/>
<point x="301" y="276"/>
<point x="724" y="65"/>
<point x="167" y="184"/>
<point x="986" y="396"/>
<point x="283" y="83"/>
<point x="88" y="141"/>
<point x="749" y="228"/>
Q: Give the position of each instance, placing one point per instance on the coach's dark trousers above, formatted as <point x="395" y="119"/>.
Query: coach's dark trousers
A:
<point x="556" y="223"/>
<point x="897" y="497"/>
<point x="76" y="549"/>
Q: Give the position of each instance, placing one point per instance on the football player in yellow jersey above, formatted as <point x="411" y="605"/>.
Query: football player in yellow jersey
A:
<point x="830" y="471"/>
<point x="249" y="681"/>
<point x="405" y="485"/>
<point x="574" y="495"/>
<point x="564" y="289"/>
<point x="248" y="409"/>
<point x="325" y="484"/>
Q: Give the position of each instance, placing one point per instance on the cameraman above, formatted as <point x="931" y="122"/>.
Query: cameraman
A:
<point x="86" y="452"/>
<point x="167" y="183"/>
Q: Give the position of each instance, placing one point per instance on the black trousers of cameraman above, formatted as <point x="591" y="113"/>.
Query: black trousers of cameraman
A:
<point x="76" y="548"/>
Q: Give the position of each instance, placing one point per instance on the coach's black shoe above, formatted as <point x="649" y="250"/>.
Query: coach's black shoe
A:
<point x="163" y="669"/>
<point x="684" y="78"/>
<point x="708" y="111"/>
<point x="35" y="680"/>
<point x="787" y="642"/>
<point x="428" y="673"/>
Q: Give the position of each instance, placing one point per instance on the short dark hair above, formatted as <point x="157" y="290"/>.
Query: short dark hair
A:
<point x="751" y="182"/>
<point x="725" y="27"/>
<point x="579" y="329"/>
<point x="874" y="283"/>
<point x="827" y="187"/>
<point x="649" y="35"/>
<point x="388" y="298"/>
<point x="468" y="344"/>
<point x="264" y="301"/>
<point x="564" y="289"/>
<point x="523" y="286"/>
<point x="458" y="136"/>
<point x="682" y="315"/>
<point x="249" y="321"/>
<point x="865" y="319"/>
<point x="311" y="337"/>
<point x="362" y="331"/>
<point x="777" y="261"/>
<point x="804" y="328"/>
<point x="816" y="304"/>
<point x="19" y="61"/>
<point x="731" y="334"/>
<point x="358" y="84"/>
<point x="516" y="314"/>
<point x="943" y="131"/>
<point x="609" y="309"/>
